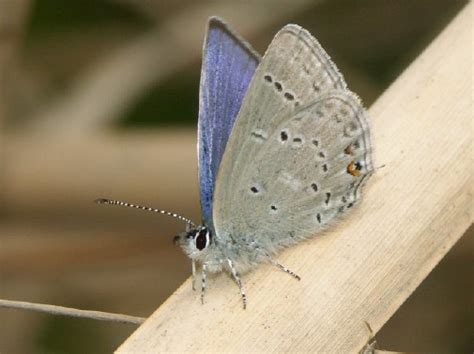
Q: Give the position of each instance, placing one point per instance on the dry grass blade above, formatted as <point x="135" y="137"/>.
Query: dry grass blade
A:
<point x="71" y="312"/>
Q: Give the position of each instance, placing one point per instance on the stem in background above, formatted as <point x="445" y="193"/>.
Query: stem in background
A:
<point x="71" y="312"/>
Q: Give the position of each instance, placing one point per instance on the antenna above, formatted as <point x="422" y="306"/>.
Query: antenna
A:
<point x="164" y="212"/>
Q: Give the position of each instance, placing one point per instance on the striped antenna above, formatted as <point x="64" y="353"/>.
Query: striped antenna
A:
<point x="164" y="212"/>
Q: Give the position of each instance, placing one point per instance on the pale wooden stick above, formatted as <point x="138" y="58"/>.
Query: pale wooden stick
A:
<point x="71" y="312"/>
<point x="363" y="269"/>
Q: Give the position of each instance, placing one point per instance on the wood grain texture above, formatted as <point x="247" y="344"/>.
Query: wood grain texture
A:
<point x="413" y="211"/>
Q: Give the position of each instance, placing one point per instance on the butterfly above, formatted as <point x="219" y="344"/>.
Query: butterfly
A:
<point x="283" y="149"/>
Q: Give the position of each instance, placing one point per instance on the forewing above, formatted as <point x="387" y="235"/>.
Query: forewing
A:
<point x="299" y="151"/>
<point x="228" y="66"/>
<point x="294" y="72"/>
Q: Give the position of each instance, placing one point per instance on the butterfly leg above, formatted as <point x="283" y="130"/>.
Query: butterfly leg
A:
<point x="238" y="281"/>
<point x="194" y="274"/>
<point x="203" y="281"/>
<point x="283" y="268"/>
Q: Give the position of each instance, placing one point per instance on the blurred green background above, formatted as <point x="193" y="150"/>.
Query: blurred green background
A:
<point x="100" y="98"/>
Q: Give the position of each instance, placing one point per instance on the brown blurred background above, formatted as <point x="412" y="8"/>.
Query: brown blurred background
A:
<point x="100" y="99"/>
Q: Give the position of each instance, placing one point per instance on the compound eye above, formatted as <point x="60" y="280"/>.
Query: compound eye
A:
<point x="202" y="240"/>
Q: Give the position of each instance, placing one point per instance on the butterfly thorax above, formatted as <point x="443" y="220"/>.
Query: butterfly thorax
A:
<point x="202" y="246"/>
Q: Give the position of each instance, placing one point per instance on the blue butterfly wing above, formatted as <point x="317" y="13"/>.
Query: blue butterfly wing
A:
<point x="229" y="64"/>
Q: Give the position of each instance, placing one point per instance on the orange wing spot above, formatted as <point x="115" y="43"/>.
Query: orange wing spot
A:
<point x="353" y="169"/>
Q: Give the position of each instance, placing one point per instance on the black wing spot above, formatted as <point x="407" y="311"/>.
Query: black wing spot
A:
<point x="348" y="150"/>
<point x="268" y="78"/>
<point x="259" y="136"/>
<point x="318" y="216"/>
<point x="325" y="167"/>
<point x="328" y="198"/>
<point x="283" y="136"/>
<point x="315" y="143"/>
<point x="278" y="86"/>
<point x="289" y="96"/>
<point x="297" y="142"/>
<point x="321" y="154"/>
<point x="314" y="186"/>
<point x="350" y="205"/>
<point x="254" y="189"/>
<point x="273" y="207"/>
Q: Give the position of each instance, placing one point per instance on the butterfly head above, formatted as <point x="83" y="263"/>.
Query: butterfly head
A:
<point x="195" y="242"/>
